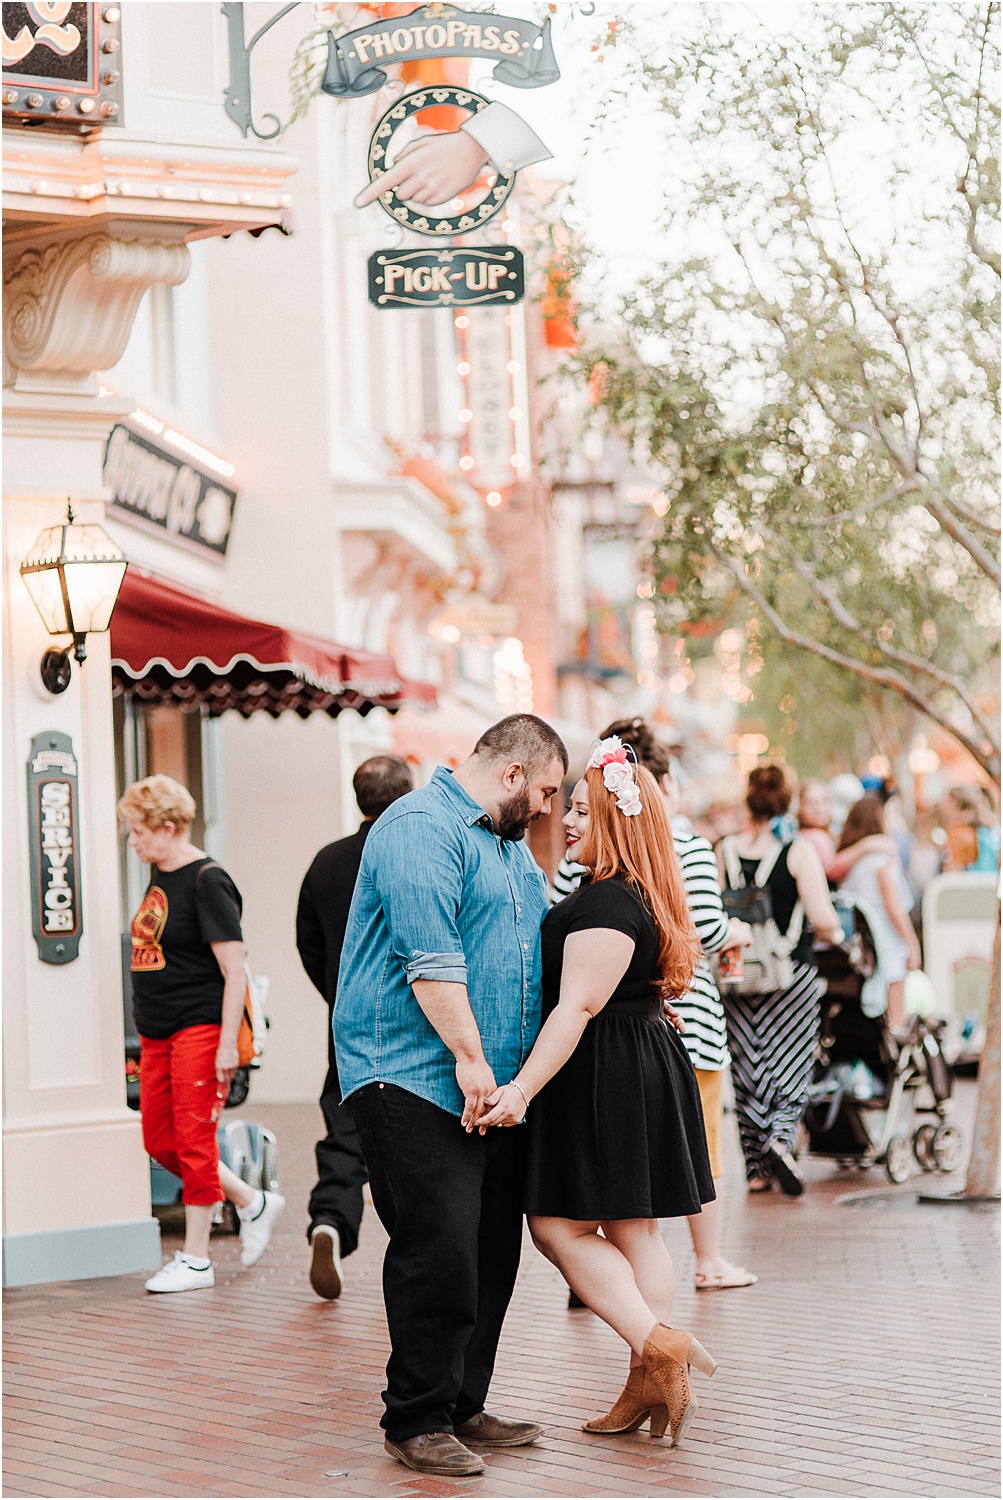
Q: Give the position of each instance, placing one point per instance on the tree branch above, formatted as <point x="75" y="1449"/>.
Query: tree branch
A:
<point x="986" y="756"/>
<point x="935" y="504"/>
<point x="965" y="513"/>
<point x="831" y="599"/>
<point x="894" y="491"/>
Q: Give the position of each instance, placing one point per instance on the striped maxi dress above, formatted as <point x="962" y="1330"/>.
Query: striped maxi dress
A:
<point x="772" y="1039"/>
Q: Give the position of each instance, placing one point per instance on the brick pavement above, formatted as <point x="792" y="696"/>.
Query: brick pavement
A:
<point x="864" y="1363"/>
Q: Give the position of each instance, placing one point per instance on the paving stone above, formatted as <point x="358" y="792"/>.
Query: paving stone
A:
<point x="863" y="1363"/>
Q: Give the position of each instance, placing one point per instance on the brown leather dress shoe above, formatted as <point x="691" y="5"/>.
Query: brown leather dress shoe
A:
<point x="435" y="1453"/>
<point x="486" y="1431"/>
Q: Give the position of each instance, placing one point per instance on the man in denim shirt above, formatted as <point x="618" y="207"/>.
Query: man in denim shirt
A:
<point x="438" y="1002"/>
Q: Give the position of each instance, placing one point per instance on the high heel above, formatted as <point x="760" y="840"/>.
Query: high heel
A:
<point x="667" y="1356"/>
<point x="659" y="1421"/>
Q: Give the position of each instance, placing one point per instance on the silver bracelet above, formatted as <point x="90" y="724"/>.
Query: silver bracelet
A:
<point x="522" y="1091"/>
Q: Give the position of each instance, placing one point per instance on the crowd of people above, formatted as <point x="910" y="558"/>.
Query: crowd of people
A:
<point x="502" y="1052"/>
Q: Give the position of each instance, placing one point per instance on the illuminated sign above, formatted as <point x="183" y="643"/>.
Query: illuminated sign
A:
<point x="492" y="463"/>
<point x="54" y="848"/>
<point x="491" y="277"/>
<point x="61" y="63"/>
<point x="522" y="51"/>
<point x="178" y="492"/>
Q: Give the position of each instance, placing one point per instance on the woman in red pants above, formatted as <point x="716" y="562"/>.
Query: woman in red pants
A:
<point x="188" y="991"/>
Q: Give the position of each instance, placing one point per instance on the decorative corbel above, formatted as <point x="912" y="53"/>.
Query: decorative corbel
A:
<point x="69" y="308"/>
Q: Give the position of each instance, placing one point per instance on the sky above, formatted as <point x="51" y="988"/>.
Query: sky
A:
<point x="617" y="196"/>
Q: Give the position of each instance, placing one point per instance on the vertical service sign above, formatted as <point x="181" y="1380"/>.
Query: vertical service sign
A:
<point x="53" y="835"/>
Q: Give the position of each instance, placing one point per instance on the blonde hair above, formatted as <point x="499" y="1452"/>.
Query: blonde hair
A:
<point x="641" y="848"/>
<point x="156" y="801"/>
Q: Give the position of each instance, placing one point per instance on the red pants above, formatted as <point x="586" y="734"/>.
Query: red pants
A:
<point x="180" y="1103"/>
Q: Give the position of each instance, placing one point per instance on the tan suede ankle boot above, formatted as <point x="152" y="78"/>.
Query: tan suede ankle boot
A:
<point x="668" y="1354"/>
<point x="630" y="1408"/>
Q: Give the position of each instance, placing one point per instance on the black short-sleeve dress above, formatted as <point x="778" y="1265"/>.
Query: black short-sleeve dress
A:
<point x="618" y="1133"/>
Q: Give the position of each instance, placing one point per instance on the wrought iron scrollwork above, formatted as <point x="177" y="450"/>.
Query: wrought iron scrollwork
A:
<point x="238" y="93"/>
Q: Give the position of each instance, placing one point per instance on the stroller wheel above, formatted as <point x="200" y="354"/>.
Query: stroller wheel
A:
<point x="947" y="1148"/>
<point x="922" y="1145"/>
<point x="898" y="1158"/>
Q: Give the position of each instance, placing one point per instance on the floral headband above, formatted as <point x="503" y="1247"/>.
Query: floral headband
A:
<point x="610" y="757"/>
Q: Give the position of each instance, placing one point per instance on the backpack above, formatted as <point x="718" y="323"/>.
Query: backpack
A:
<point x="767" y="965"/>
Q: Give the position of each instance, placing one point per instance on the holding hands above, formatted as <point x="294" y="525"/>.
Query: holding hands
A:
<point x="506" y="1106"/>
<point x="476" y="1082"/>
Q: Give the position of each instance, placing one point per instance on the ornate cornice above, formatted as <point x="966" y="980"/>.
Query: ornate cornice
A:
<point x="54" y="184"/>
<point x="69" y="308"/>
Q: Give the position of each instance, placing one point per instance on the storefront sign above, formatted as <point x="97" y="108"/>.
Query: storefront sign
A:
<point x="487" y="348"/>
<point x="176" y="495"/>
<point x="522" y="51"/>
<point x="492" y="277"/>
<point x="421" y="219"/>
<point x="61" y="62"/>
<point x="54" y="845"/>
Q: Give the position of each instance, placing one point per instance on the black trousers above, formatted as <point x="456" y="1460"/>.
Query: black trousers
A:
<point x="341" y="1168"/>
<point x="452" y="1206"/>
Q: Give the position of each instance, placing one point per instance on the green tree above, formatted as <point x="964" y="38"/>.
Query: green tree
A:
<point x="814" y="370"/>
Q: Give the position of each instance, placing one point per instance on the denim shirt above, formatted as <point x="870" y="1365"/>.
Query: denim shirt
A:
<point x="439" y="896"/>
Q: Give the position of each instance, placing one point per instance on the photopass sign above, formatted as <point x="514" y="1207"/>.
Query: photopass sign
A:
<point x="490" y="277"/>
<point x="54" y="848"/>
<point x="522" y="51"/>
<point x="173" y="494"/>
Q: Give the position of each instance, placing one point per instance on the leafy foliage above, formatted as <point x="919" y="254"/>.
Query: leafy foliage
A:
<point x="815" y="369"/>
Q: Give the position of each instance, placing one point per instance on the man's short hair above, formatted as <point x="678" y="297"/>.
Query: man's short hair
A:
<point x="523" y="738"/>
<point x="380" y="781"/>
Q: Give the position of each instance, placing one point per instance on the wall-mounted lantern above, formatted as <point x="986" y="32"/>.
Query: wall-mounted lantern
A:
<point x="73" y="573"/>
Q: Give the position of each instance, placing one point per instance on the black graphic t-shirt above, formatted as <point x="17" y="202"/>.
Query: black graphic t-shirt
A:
<point x="176" y="981"/>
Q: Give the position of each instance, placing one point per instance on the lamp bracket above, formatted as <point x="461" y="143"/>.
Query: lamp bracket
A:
<point x="238" y="92"/>
<point x="55" y="669"/>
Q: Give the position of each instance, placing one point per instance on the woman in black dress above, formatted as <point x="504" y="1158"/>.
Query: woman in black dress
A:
<point x="616" y="1135"/>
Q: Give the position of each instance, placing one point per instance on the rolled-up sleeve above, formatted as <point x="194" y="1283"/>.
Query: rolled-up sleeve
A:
<point x="418" y="876"/>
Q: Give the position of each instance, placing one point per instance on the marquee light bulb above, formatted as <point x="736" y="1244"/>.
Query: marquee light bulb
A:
<point x="462" y="321"/>
<point x="466" y="415"/>
<point x="466" y="462"/>
<point x="493" y="497"/>
<point x="463" y="368"/>
<point x="517" y="460"/>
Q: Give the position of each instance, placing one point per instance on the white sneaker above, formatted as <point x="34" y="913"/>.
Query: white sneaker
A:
<point x="182" y="1274"/>
<point x="256" y="1225"/>
<point x="326" y="1275"/>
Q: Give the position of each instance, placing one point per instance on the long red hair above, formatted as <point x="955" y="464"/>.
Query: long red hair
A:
<point x="641" y="849"/>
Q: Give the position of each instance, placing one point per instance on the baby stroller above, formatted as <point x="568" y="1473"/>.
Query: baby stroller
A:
<point x="876" y="1098"/>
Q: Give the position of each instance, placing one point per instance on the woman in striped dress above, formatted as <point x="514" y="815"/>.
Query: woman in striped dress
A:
<point x="773" y="1037"/>
<point x="701" y="1009"/>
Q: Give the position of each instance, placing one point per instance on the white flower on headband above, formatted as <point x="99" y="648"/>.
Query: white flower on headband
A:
<point x="610" y="757"/>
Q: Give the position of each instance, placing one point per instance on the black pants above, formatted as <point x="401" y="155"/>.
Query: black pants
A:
<point x="452" y="1206"/>
<point x="341" y="1169"/>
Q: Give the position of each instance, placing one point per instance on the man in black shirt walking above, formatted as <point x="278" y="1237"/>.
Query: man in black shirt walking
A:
<point x="321" y="917"/>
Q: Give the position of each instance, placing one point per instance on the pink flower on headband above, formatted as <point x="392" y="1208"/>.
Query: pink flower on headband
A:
<point x="610" y="757"/>
<point x="606" y="753"/>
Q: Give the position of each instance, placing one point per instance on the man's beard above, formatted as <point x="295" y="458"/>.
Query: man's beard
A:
<point x="514" y="817"/>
